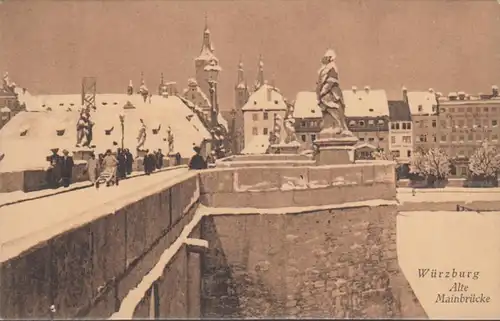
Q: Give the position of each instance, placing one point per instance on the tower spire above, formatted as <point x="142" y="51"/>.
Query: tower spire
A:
<point x="161" y="79"/>
<point x="260" y="75"/>
<point x="241" y="74"/>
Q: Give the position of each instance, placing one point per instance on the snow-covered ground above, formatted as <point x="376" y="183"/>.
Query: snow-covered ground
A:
<point x="21" y="223"/>
<point x="464" y="241"/>
<point x="449" y="195"/>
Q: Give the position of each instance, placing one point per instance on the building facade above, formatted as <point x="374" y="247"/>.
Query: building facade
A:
<point x="308" y="118"/>
<point x="259" y="115"/>
<point x="367" y="116"/>
<point x="465" y="121"/>
<point x="425" y="116"/>
<point x="9" y="100"/>
<point x="400" y="131"/>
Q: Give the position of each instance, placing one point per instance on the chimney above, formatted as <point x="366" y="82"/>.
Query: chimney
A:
<point x="405" y="93"/>
<point x="461" y="95"/>
<point x="24" y="90"/>
<point x="494" y="90"/>
<point x="130" y="88"/>
<point x="354" y="89"/>
<point x="367" y="89"/>
<point x="452" y="96"/>
<point x="269" y="91"/>
<point x="431" y="90"/>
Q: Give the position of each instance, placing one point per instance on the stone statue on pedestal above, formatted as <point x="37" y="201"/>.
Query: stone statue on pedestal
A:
<point x="84" y="129"/>
<point x="330" y="98"/>
<point x="290" y="131"/>
<point x="336" y="143"/>
<point x="141" y="138"/>
<point x="170" y="138"/>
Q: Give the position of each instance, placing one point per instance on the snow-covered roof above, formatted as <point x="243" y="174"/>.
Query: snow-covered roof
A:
<point x="306" y="105"/>
<point x="29" y="151"/>
<point x="422" y="102"/>
<point x="258" y="145"/>
<point x="259" y="100"/>
<point x="366" y="103"/>
<point x="5" y="109"/>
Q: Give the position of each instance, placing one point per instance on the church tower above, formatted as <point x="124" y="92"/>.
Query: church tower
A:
<point x="205" y="57"/>
<point x="241" y="88"/>
<point x="241" y="95"/>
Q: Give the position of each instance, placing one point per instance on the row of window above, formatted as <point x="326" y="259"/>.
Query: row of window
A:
<point x="469" y="109"/>
<point x="397" y="153"/>
<point x="404" y="139"/>
<point x="265" y="116"/>
<point x="460" y="138"/>
<point x="370" y="122"/>
<point x="370" y="139"/>
<point x="397" y="126"/>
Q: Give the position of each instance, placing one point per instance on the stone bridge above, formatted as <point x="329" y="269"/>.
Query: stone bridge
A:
<point x="237" y="241"/>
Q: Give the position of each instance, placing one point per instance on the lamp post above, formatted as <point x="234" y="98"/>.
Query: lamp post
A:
<point x="122" y="123"/>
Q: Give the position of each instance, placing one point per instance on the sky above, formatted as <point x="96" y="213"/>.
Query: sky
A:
<point x="48" y="46"/>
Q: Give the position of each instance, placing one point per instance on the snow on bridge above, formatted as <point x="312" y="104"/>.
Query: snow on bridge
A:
<point x="42" y="218"/>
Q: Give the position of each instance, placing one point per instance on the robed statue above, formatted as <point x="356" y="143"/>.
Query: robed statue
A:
<point x="84" y="128"/>
<point x="330" y="98"/>
<point x="290" y="130"/>
<point x="141" y="137"/>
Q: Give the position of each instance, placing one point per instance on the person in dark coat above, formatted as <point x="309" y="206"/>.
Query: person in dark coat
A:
<point x="129" y="160"/>
<point x="54" y="169"/>
<point x="197" y="161"/>
<point x="159" y="159"/>
<point x="122" y="164"/>
<point x="66" y="168"/>
<point x="148" y="163"/>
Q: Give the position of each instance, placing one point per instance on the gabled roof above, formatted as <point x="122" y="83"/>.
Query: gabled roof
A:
<point x="365" y="103"/>
<point x="258" y="100"/>
<point x="422" y="102"/>
<point x="306" y="105"/>
<point x="365" y="145"/>
<point x="399" y="110"/>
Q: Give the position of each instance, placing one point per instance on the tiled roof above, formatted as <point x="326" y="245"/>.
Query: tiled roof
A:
<point x="259" y="100"/>
<point x="306" y="105"/>
<point x="422" y="102"/>
<point x="365" y="102"/>
<point x="399" y="110"/>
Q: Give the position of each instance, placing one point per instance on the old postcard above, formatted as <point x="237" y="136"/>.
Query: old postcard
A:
<point x="249" y="159"/>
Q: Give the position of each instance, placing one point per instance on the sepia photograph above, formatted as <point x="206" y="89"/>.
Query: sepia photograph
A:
<point x="249" y="159"/>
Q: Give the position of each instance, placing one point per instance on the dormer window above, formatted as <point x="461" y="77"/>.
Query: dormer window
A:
<point x="61" y="104"/>
<point x="254" y="102"/>
<point x="275" y="102"/>
<point x="60" y="132"/>
<point x="420" y="108"/>
<point x="370" y="110"/>
<point x="104" y="103"/>
<point x="71" y="104"/>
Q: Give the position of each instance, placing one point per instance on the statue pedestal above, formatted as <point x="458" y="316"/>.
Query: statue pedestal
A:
<point x="82" y="154"/>
<point x="335" y="150"/>
<point x="290" y="148"/>
<point x="141" y="153"/>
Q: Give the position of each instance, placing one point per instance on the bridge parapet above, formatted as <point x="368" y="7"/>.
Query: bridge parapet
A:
<point x="292" y="186"/>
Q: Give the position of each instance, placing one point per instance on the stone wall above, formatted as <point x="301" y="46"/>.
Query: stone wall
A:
<point x="87" y="271"/>
<point x="265" y="187"/>
<point x="332" y="263"/>
<point x="35" y="179"/>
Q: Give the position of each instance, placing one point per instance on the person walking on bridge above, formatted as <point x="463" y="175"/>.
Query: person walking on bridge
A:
<point x="197" y="161"/>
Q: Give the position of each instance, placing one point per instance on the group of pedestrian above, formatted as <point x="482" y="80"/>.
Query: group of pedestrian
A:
<point x="111" y="166"/>
<point x="152" y="161"/>
<point x="60" y="169"/>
